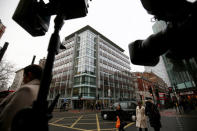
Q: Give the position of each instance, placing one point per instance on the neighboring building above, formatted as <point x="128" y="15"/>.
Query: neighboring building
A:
<point x="91" y="70"/>
<point x="182" y="73"/>
<point x="2" y="29"/>
<point x="160" y="68"/>
<point x="146" y="81"/>
<point x="42" y="62"/>
<point x="17" y="80"/>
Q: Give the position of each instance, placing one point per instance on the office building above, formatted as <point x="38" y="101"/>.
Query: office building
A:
<point x="91" y="70"/>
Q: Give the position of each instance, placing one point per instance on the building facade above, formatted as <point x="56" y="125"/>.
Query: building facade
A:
<point x="18" y="79"/>
<point x="149" y="85"/>
<point x="2" y="29"/>
<point x="91" y="70"/>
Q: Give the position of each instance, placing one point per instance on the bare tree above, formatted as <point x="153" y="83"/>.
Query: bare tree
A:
<point x="6" y="73"/>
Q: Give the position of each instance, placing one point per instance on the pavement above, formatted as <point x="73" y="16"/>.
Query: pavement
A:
<point x="88" y="120"/>
<point x="173" y="113"/>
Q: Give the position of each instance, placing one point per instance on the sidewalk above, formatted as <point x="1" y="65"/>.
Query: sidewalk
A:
<point x="172" y="113"/>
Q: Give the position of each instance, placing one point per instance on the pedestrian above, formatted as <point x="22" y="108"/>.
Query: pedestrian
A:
<point x="92" y="106"/>
<point x="22" y="97"/>
<point x="153" y="114"/>
<point x="120" y="116"/>
<point x="141" y="120"/>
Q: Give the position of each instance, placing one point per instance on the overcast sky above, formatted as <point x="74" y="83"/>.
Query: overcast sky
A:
<point x="122" y="21"/>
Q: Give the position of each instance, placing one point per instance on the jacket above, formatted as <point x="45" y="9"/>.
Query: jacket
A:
<point x="153" y="114"/>
<point x="141" y="120"/>
<point x="120" y="114"/>
<point x="16" y="101"/>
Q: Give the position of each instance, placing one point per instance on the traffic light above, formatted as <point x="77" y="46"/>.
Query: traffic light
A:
<point x="170" y="89"/>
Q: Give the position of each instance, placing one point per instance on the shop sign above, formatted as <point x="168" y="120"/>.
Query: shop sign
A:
<point x="187" y="93"/>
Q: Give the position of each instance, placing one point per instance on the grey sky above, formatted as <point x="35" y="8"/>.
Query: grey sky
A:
<point x="122" y="21"/>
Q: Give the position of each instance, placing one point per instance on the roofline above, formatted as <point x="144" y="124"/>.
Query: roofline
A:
<point x="96" y="32"/>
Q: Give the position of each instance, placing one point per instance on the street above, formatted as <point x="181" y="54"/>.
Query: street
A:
<point x="92" y="121"/>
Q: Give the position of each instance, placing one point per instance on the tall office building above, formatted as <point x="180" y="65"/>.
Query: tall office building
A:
<point x="182" y="73"/>
<point x="2" y="28"/>
<point x="91" y="70"/>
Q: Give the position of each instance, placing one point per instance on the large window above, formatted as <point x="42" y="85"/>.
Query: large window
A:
<point x="76" y="80"/>
<point x="92" y="92"/>
<point x="75" y="92"/>
<point x="84" y="91"/>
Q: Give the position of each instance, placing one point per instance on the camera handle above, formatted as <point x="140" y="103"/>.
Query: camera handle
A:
<point x="37" y="117"/>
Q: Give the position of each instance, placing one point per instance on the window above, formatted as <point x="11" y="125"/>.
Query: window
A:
<point x="92" y="81"/>
<point x="75" y="91"/>
<point x="76" y="80"/>
<point x="92" y="92"/>
<point x="123" y="105"/>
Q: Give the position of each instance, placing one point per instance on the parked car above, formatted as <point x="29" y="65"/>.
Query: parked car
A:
<point x="128" y="107"/>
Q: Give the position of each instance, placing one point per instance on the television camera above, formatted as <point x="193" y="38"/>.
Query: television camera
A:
<point x="34" y="15"/>
<point x="176" y="41"/>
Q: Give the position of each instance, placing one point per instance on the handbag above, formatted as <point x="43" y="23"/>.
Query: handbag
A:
<point x="118" y="122"/>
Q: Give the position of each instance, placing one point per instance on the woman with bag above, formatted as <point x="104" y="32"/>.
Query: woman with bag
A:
<point x="154" y="116"/>
<point x="141" y="120"/>
<point x="120" y="119"/>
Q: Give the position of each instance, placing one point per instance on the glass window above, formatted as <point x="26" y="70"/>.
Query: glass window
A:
<point x="84" y="91"/>
<point x="76" y="80"/>
<point x="123" y="105"/>
<point x="92" y="92"/>
<point x="75" y="91"/>
<point x="92" y="81"/>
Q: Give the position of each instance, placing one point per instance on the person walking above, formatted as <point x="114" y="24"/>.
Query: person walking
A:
<point x="22" y="97"/>
<point x="120" y="117"/>
<point x="153" y="114"/>
<point x="141" y="120"/>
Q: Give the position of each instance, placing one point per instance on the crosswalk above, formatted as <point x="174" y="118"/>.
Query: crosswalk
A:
<point x="179" y="123"/>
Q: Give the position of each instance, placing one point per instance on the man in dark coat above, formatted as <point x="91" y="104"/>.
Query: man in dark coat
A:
<point x="153" y="114"/>
<point x="120" y="114"/>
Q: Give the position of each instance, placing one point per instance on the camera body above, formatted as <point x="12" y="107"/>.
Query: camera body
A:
<point x="35" y="16"/>
<point x="176" y="41"/>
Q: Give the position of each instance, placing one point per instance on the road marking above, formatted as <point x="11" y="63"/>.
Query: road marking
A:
<point x="86" y="123"/>
<point x="76" y="121"/>
<point x="179" y="123"/>
<point x="87" y="119"/>
<point x="106" y="122"/>
<point x="58" y="120"/>
<point x="60" y="125"/>
<point x="129" y="125"/>
<point x="97" y="122"/>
